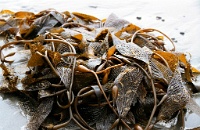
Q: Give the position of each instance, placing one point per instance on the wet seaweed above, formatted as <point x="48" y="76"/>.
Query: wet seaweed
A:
<point x="80" y="72"/>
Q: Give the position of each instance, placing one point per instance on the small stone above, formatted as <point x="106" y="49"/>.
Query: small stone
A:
<point x="158" y="17"/>
<point x="174" y="40"/>
<point x="93" y="6"/>
<point x="182" y="33"/>
<point x="139" y="18"/>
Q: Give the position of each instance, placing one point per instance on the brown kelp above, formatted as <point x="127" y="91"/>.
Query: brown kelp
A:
<point x="81" y="72"/>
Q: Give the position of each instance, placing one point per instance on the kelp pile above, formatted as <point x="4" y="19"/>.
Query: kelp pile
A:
<point x="75" y="71"/>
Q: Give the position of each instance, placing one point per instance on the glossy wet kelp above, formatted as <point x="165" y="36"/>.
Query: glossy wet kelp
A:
<point x="80" y="72"/>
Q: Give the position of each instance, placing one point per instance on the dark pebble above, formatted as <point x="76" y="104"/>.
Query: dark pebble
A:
<point x="93" y="6"/>
<point x="182" y="33"/>
<point x="158" y="17"/>
<point x="139" y="18"/>
<point x="163" y="20"/>
<point x="173" y="38"/>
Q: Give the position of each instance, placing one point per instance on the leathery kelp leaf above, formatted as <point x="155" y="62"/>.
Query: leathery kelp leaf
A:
<point x="40" y="114"/>
<point x="36" y="59"/>
<point x="177" y="98"/>
<point x="127" y="90"/>
<point x="172" y="59"/>
<point x="85" y="17"/>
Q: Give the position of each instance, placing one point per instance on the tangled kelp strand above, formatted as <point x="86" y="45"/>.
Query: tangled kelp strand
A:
<point x="80" y="71"/>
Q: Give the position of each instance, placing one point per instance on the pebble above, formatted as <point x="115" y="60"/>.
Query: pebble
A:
<point x="174" y="40"/>
<point x="93" y="6"/>
<point x="182" y="33"/>
<point x="139" y="18"/>
<point x="158" y="17"/>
